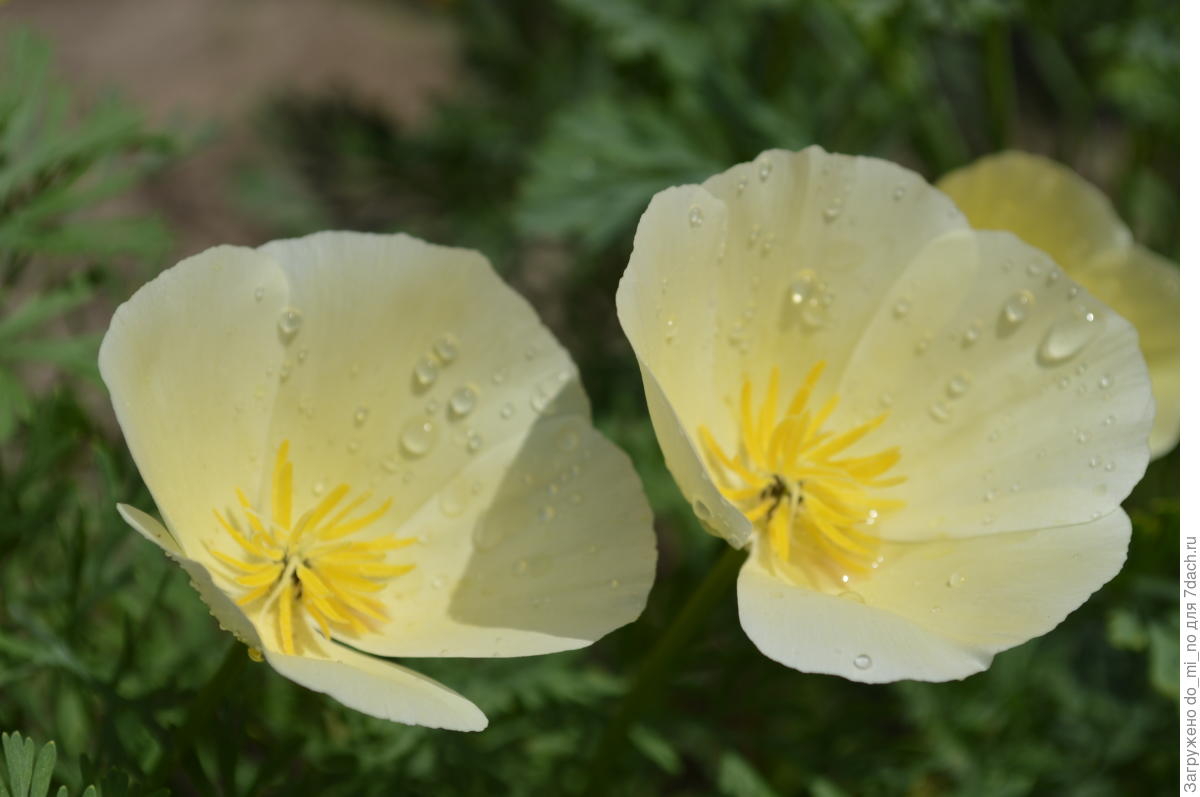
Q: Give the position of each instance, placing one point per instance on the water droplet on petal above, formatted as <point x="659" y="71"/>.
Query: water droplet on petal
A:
<point x="764" y="170"/>
<point x="360" y="415"/>
<point x="862" y="661"/>
<point x="958" y="384"/>
<point x="971" y="335"/>
<point x="290" y="321"/>
<point x="547" y="513"/>
<point x="507" y="410"/>
<point x="568" y="440"/>
<point x="418" y="437"/>
<point x="898" y="193"/>
<point x="831" y="213"/>
<point x="901" y="308"/>
<point x="474" y="442"/>
<point x="446" y="348"/>
<point x="672" y="329"/>
<point x="259" y="293"/>
<point x="462" y="401"/>
<point x="939" y="412"/>
<point x="1017" y="308"/>
<point x="1068" y="336"/>
<point x="955" y="579"/>
<point x="1105" y="382"/>
<point x="695" y="216"/>
<point x="425" y="372"/>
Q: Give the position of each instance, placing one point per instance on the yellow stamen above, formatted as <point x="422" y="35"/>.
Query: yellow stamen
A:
<point x="304" y="572"/>
<point x="814" y="510"/>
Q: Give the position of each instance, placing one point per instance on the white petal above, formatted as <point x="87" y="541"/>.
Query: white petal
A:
<point x="380" y="689"/>
<point x="934" y="611"/>
<point x="227" y="613"/>
<point x="189" y="361"/>
<point x="1011" y="409"/>
<point x="511" y="441"/>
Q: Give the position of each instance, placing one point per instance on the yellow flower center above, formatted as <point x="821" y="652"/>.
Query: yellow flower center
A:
<point x="310" y="567"/>
<point x="814" y="506"/>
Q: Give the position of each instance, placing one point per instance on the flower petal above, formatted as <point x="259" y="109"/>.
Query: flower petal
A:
<point x="995" y="367"/>
<point x="1144" y="289"/>
<point x="189" y="361"/>
<point x="380" y="689"/>
<point x="228" y="615"/>
<point x="1044" y="203"/>
<point x="936" y="611"/>
<point x="509" y="443"/>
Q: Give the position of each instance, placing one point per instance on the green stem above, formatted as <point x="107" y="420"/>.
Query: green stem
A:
<point x="656" y="665"/>
<point x="1000" y="82"/>
<point x="199" y="712"/>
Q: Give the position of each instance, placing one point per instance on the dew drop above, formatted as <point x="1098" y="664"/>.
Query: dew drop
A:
<point x="898" y="193"/>
<point x="425" y="372"/>
<point x="507" y="410"/>
<point x="922" y="344"/>
<point x="474" y="442"/>
<point x="1017" y="308"/>
<point x="1068" y="336"/>
<point x="360" y="415"/>
<point x="290" y="321"/>
<point x="741" y="186"/>
<point x="831" y="213"/>
<point x="499" y="376"/>
<point x="259" y="293"/>
<point x="418" y="437"/>
<point x="901" y="308"/>
<point x="958" y="384"/>
<point x="1110" y="466"/>
<point x="672" y="329"/>
<point x="764" y="170"/>
<point x="886" y="399"/>
<point x="462" y="401"/>
<point x="446" y="348"/>
<point x="802" y="287"/>
<point x="568" y="440"/>
<point x="301" y="356"/>
<point x="1094" y="462"/>
<point x="1110" y="420"/>
<point x="990" y="495"/>
<point x="695" y="216"/>
<point x="1082" y="437"/>
<point x="862" y="661"/>
<point x="614" y="583"/>
<point x="971" y="335"/>
<point x="1034" y="269"/>
<point x="547" y="513"/>
<point x="1105" y="382"/>
<point x="318" y="487"/>
<point x="939" y="412"/>
<point x="955" y="580"/>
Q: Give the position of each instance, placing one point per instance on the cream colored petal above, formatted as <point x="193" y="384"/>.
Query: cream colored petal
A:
<point x="380" y="689"/>
<point x="228" y="615"/>
<point x="1010" y="408"/>
<point x="1042" y="202"/>
<point x="935" y="611"/>
<point x="1144" y="288"/>
<point x="508" y="471"/>
<point x="189" y="361"/>
<point x="778" y="262"/>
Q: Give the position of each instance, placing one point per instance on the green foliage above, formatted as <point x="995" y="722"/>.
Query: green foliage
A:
<point x="575" y="112"/>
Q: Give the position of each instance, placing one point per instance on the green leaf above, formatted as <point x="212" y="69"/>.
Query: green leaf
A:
<point x="737" y="778"/>
<point x="43" y="768"/>
<point x="656" y="748"/>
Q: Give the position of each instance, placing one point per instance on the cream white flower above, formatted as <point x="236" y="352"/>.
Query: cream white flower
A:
<point x="366" y="445"/>
<point x="1049" y="206"/>
<point x="923" y="432"/>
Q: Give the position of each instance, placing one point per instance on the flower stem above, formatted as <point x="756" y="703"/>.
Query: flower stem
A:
<point x="199" y="712"/>
<point x="655" y="666"/>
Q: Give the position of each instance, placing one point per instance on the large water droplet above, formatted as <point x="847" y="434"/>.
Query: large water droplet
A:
<point x="462" y="401"/>
<point x="446" y="348"/>
<point x="290" y="321"/>
<point x="418" y="437"/>
<point x="1068" y="336"/>
<point x="425" y="372"/>
<point x="862" y="661"/>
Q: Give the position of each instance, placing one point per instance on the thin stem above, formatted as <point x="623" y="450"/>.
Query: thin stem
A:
<point x="199" y="712"/>
<point x="655" y="666"/>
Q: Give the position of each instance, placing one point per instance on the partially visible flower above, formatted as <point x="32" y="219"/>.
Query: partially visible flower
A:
<point x="366" y="445"/>
<point x="1049" y="206"/>
<point x="923" y="432"/>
